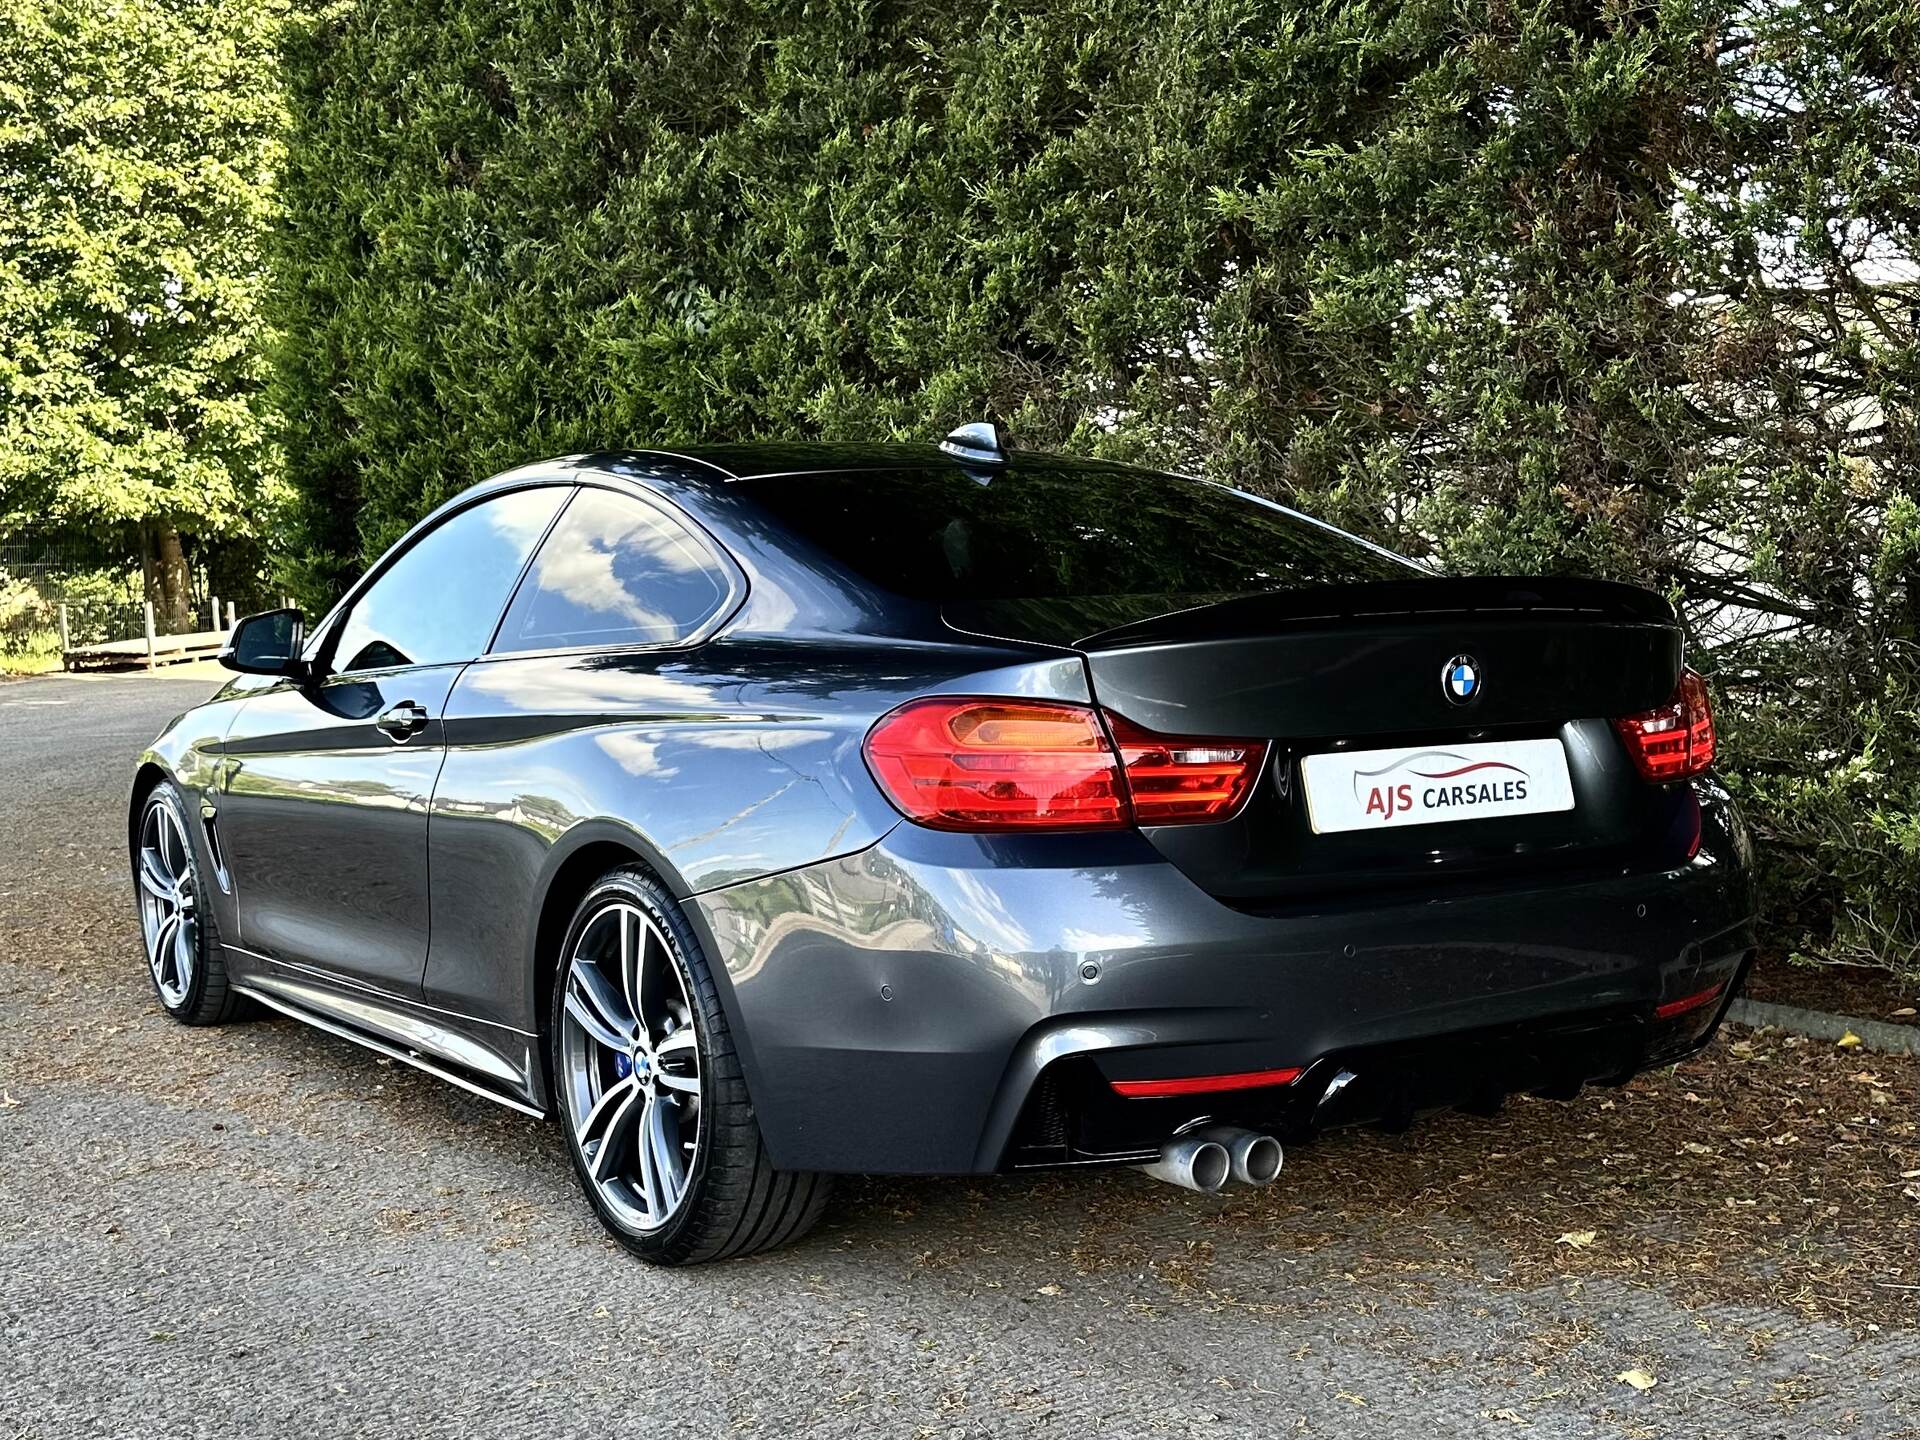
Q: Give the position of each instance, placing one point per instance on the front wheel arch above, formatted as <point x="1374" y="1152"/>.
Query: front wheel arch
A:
<point x="207" y="997"/>
<point x="150" y="774"/>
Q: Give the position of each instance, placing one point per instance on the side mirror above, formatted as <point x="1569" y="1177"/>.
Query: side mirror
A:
<point x="267" y="644"/>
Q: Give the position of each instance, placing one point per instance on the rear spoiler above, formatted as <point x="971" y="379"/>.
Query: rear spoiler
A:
<point x="1102" y="622"/>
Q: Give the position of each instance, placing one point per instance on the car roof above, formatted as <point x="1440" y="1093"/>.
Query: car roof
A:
<point x="753" y="461"/>
<point x="762" y="460"/>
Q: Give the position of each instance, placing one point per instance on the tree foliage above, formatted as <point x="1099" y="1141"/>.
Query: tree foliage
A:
<point x="138" y="144"/>
<point x="1798" y="533"/>
<point x="1612" y="286"/>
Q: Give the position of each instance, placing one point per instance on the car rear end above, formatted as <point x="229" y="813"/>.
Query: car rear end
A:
<point x="1319" y="839"/>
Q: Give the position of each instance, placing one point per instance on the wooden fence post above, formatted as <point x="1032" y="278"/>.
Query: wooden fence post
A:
<point x="149" y="634"/>
<point x="66" y="643"/>
<point x="214" y="602"/>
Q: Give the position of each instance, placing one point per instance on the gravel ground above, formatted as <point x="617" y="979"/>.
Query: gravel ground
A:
<point x="260" y="1230"/>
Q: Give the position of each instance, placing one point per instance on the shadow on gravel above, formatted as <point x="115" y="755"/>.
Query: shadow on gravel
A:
<point x="1770" y="1170"/>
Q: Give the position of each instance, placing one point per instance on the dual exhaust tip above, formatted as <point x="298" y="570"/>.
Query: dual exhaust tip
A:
<point x="1205" y="1160"/>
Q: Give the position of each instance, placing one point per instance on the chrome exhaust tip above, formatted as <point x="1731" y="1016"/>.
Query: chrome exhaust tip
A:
<point x="1254" y="1159"/>
<point x="1193" y="1164"/>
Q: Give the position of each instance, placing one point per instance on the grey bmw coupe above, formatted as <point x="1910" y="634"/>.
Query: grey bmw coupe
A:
<point x="763" y="813"/>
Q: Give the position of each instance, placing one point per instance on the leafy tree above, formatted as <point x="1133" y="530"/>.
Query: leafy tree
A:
<point x="1801" y="525"/>
<point x="138" y="144"/>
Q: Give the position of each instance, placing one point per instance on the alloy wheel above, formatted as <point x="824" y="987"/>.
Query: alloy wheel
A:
<point x="167" y="892"/>
<point x="630" y="1058"/>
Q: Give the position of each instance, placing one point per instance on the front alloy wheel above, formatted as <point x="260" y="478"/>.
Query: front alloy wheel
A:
<point x="649" y="1087"/>
<point x="166" y="904"/>
<point x="182" y="942"/>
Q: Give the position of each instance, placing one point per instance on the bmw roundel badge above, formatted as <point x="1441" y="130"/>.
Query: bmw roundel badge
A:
<point x="1461" y="679"/>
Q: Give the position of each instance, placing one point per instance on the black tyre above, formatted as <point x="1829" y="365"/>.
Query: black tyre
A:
<point x="184" y="959"/>
<point x="649" y="1088"/>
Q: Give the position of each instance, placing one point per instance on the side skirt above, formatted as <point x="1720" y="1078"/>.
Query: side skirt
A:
<point x="311" y="1008"/>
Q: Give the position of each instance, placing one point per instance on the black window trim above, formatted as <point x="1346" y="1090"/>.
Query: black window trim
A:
<point x="321" y="654"/>
<point x="737" y="586"/>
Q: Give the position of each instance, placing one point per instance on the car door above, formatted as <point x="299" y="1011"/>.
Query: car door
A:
<point x="324" y="819"/>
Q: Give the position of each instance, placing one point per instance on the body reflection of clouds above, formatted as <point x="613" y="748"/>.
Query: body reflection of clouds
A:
<point x="585" y="577"/>
<point x="606" y="554"/>
<point x="636" y="754"/>
<point x="639" y="753"/>
<point x="577" y="689"/>
<point x="989" y="920"/>
<point x="518" y="525"/>
<point x="778" y="737"/>
<point x="1090" y="942"/>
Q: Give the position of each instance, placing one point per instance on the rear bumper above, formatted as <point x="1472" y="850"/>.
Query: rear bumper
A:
<point x="943" y="1003"/>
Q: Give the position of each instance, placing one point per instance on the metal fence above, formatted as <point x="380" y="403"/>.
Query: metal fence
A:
<point x="57" y="600"/>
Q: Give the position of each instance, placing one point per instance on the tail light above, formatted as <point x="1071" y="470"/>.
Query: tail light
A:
<point x="998" y="765"/>
<point x="1675" y="740"/>
<point x="977" y="764"/>
<point x="1178" y="782"/>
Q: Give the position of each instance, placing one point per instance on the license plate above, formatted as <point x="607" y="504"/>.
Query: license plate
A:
<point x="1434" y="784"/>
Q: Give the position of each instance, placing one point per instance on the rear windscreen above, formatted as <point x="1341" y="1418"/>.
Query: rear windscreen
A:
<point x="1034" y="532"/>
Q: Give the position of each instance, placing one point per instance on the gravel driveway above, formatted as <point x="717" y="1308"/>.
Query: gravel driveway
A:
<point x="260" y="1230"/>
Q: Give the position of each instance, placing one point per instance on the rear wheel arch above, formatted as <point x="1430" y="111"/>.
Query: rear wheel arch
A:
<point x="575" y="865"/>
<point x="586" y="854"/>
<point x="734" y="1201"/>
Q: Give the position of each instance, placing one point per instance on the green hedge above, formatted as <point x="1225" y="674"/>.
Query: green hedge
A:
<point x="1503" y="286"/>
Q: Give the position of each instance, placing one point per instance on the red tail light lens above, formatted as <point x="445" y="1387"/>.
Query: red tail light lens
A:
<point x="998" y="765"/>
<point x="1675" y="740"/>
<point x="985" y="765"/>
<point x="1175" y="782"/>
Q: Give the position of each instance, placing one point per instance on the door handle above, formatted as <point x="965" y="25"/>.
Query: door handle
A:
<point x="404" y="721"/>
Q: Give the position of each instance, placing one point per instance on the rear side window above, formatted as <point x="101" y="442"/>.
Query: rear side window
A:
<point x="436" y="604"/>
<point x="615" y="572"/>
<point x="1045" y="531"/>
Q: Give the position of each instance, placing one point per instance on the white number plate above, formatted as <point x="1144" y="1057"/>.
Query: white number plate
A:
<point x="1426" y="785"/>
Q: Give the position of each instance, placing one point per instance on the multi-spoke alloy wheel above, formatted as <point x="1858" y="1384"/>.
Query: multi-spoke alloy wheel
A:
<point x="182" y="940"/>
<point x="632" y="1065"/>
<point x="649" y="1086"/>
<point x="166" y="904"/>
